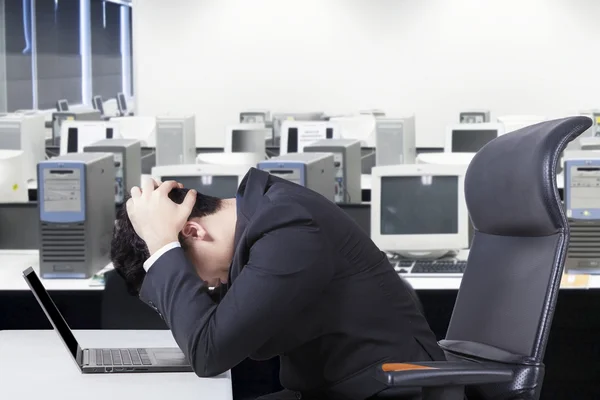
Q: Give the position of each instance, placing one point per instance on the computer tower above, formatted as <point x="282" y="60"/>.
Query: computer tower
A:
<point x="582" y="204"/>
<point x="312" y="170"/>
<point x="72" y="115"/>
<point x="175" y="140"/>
<point x="395" y="141"/>
<point x="474" y="117"/>
<point x="76" y="206"/>
<point x="26" y="132"/>
<point x="128" y="163"/>
<point x="347" y="167"/>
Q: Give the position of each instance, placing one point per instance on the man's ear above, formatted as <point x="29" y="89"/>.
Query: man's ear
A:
<point x="193" y="230"/>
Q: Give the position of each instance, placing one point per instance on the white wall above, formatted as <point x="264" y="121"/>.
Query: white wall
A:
<point x="435" y="58"/>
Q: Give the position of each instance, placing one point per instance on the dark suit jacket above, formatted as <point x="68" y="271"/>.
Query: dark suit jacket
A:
<point x="307" y="285"/>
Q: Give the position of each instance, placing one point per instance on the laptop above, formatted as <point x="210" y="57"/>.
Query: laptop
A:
<point x="105" y="360"/>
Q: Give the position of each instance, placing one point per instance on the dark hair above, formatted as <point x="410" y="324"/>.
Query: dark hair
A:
<point x="128" y="251"/>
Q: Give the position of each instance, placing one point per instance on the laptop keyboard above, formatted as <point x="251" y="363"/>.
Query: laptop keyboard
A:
<point x="122" y="357"/>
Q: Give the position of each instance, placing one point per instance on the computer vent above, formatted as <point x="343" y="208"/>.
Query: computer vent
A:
<point x="63" y="244"/>
<point x="585" y="240"/>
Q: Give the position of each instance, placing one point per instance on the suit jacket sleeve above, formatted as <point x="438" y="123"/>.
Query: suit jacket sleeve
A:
<point x="289" y="266"/>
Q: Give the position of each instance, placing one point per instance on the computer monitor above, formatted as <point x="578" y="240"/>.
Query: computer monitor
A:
<point x="98" y="104"/>
<point x="419" y="211"/>
<point x="515" y="122"/>
<point x="13" y="181"/>
<point x="62" y="105"/>
<point x="76" y="135"/>
<point x="255" y="116"/>
<point x="470" y="138"/>
<point x="246" y="138"/>
<point x="295" y="135"/>
<point x="474" y="116"/>
<point x="246" y="159"/>
<point x="220" y="181"/>
<point x="445" y="158"/>
<point x="279" y="118"/>
<point x="122" y="103"/>
<point x="139" y="128"/>
<point x="25" y="132"/>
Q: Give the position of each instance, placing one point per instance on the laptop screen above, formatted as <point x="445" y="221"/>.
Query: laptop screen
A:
<point x="55" y="317"/>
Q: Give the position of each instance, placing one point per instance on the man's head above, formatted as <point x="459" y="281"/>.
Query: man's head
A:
<point x="206" y="238"/>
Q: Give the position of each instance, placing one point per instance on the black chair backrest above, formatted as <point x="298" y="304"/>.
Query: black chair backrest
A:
<point x="508" y="293"/>
<point x="120" y="310"/>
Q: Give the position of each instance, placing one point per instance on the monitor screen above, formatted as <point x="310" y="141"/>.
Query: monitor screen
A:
<point x="419" y="205"/>
<point x="247" y="141"/>
<point x="471" y="141"/>
<point x="221" y="186"/>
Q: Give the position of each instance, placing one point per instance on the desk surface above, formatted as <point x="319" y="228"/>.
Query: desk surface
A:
<point x="36" y="364"/>
<point x="13" y="263"/>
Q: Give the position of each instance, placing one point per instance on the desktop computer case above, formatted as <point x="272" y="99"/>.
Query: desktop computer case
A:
<point x="175" y="141"/>
<point x="79" y="247"/>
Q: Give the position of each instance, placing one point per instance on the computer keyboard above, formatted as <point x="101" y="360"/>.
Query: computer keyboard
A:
<point x="122" y="357"/>
<point x="404" y="266"/>
<point x="439" y="267"/>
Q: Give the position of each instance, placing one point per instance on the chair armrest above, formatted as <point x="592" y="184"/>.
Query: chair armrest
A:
<point x="441" y="374"/>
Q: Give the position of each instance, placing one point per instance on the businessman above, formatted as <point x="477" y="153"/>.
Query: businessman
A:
<point x="295" y="277"/>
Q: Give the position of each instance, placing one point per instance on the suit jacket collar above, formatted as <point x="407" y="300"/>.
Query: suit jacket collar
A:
<point x="249" y="197"/>
<point x="251" y="191"/>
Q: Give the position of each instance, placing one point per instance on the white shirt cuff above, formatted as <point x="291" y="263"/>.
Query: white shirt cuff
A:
<point x="148" y="263"/>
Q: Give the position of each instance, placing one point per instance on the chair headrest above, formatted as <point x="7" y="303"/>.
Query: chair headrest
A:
<point x="510" y="186"/>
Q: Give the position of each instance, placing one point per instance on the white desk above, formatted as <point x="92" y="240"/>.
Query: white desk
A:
<point x="36" y="365"/>
<point x="14" y="262"/>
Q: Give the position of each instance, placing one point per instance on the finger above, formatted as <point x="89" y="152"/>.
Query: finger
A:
<point x="167" y="186"/>
<point x="188" y="203"/>
<point x="129" y="206"/>
<point x="136" y="192"/>
<point x="180" y="185"/>
<point x="147" y="187"/>
<point x="157" y="183"/>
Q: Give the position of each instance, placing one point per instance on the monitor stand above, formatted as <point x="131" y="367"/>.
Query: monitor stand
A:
<point x="427" y="255"/>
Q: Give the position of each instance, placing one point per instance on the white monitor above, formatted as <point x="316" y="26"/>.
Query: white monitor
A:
<point x="122" y="103"/>
<point x="62" y="105"/>
<point x="25" y="132"/>
<point x="419" y="210"/>
<point x="13" y="180"/>
<point x="138" y="128"/>
<point x="255" y="116"/>
<point x="220" y="181"/>
<point x="98" y="104"/>
<point x="295" y="135"/>
<point x="470" y="138"/>
<point x="247" y="159"/>
<point x="246" y="138"/>
<point x="75" y="135"/>
<point x="280" y="118"/>
<point x="515" y="122"/>
<point x="445" y="158"/>
<point x="358" y="127"/>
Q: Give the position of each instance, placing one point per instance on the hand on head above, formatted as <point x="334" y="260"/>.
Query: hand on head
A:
<point x="155" y="217"/>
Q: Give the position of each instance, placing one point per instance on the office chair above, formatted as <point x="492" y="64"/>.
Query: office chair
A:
<point x="499" y="329"/>
<point x="120" y="310"/>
